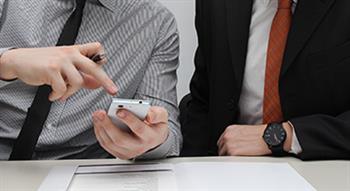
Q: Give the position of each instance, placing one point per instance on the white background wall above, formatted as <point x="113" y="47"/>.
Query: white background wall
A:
<point x="184" y="13"/>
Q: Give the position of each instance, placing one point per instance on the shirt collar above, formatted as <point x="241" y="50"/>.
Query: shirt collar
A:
<point x="112" y="5"/>
<point x="270" y="1"/>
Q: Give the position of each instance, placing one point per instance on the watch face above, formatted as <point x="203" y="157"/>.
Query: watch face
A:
<point x="274" y="134"/>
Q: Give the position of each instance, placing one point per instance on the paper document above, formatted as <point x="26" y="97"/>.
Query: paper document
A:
<point x="203" y="176"/>
<point x="146" y="177"/>
<point x="124" y="177"/>
<point x="239" y="176"/>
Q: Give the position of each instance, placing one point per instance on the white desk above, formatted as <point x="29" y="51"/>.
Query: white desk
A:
<point x="324" y="176"/>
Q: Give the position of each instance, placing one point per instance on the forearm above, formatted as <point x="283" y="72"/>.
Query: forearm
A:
<point x="323" y="136"/>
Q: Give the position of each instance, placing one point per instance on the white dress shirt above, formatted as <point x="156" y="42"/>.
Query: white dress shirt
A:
<point x="252" y="96"/>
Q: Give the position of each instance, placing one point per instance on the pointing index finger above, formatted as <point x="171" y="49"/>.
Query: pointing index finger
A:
<point x="89" y="67"/>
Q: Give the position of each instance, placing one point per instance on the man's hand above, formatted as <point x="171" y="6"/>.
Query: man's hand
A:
<point x="144" y="135"/>
<point x="247" y="140"/>
<point x="66" y="69"/>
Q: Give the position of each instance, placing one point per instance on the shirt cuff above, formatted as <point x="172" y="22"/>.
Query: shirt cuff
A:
<point x="4" y="83"/>
<point x="296" y="148"/>
<point x="161" y="151"/>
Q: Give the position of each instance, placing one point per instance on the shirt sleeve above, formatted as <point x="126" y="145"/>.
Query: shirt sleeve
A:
<point x="296" y="148"/>
<point x="159" y="86"/>
<point x="4" y="83"/>
<point x="162" y="150"/>
<point x="1" y="7"/>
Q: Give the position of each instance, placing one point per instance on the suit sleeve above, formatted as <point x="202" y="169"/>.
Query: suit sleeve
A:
<point x="194" y="107"/>
<point x="323" y="137"/>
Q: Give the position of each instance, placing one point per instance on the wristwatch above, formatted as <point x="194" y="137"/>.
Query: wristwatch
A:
<point x="275" y="136"/>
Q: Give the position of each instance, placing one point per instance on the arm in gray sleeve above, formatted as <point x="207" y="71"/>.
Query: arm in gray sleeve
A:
<point x="159" y="87"/>
<point x="2" y="82"/>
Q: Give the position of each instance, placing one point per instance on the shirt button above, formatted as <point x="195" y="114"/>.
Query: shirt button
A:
<point x="50" y="126"/>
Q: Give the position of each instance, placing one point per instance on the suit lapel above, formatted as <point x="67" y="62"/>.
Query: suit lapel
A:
<point x="308" y="15"/>
<point x="238" y="22"/>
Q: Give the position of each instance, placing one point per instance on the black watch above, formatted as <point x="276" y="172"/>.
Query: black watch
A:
<point x="275" y="136"/>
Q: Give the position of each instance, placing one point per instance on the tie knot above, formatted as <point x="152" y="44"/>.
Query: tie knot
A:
<point x="284" y="4"/>
<point x="80" y="4"/>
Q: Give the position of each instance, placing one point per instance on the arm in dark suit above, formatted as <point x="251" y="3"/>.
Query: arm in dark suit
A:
<point x="194" y="107"/>
<point x="323" y="137"/>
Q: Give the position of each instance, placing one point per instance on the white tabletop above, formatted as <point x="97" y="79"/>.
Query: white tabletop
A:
<point x="323" y="175"/>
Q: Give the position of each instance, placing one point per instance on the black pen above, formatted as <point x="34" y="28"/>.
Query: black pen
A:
<point x="98" y="57"/>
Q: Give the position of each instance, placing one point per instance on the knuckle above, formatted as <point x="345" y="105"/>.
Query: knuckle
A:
<point x="59" y="88"/>
<point x="68" y="50"/>
<point x="77" y="82"/>
<point x="139" y="129"/>
<point x="226" y="137"/>
<point x="62" y="88"/>
<point x="232" y="127"/>
<point x="53" y="65"/>
<point x="80" y="81"/>
<point x="98" y="45"/>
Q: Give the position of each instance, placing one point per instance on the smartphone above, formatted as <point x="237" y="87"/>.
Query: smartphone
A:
<point x="138" y="107"/>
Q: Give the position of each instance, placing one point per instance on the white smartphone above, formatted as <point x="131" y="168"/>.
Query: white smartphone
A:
<point x="138" y="107"/>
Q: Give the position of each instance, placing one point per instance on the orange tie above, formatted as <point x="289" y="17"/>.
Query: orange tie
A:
<point x="272" y="111"/>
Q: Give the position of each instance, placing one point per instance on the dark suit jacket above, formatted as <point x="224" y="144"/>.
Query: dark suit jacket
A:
<point x="314" y="80"/>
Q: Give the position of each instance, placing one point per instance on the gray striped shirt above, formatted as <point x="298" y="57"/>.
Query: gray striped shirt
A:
<point x="142" y="44"/>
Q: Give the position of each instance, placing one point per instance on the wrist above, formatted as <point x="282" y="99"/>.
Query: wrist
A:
<point x="7" y="71"/>
<point x="288" y="142"/>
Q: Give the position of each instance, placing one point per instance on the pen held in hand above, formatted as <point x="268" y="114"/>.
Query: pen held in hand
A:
<point x="98" y="58"/>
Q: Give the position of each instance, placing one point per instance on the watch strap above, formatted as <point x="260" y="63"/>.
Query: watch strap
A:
<point x="278" y="150"/>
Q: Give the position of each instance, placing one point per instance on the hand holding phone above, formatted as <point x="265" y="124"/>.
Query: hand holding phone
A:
<point x="139" y="108"/>
<point x="141" y="135"/>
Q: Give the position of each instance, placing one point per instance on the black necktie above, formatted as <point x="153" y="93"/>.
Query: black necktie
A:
<point x="27" y="139"/>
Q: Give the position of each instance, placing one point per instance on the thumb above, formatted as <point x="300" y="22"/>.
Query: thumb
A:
<point x="157" y="115"/>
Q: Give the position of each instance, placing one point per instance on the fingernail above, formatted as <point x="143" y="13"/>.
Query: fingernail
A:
<point x="151" y="115"/>
<point x="121" y="114"/>
<point x="113" y="89"/>
<point x="100" y="116"/>
<point x="95" y="119"/>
